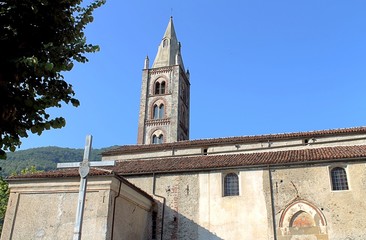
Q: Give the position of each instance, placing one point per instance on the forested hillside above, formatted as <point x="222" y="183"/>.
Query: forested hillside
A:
<point x="44" y="158"/>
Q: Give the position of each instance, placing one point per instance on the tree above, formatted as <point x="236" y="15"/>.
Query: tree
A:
<point x="39" y="40"/>
<point x="4" y="197"/>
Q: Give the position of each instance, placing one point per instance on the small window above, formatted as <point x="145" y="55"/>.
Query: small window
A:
<point x="161" y="111"/>
<point x="154" y="139"/>
<point x="165" y="42"/>
<point x="162" y="88"/>
<point x="339" y="179"/>
<point x="204" y="151"/>
<point x="161" y="138"/>
<point x="159" y="87"/>
<point x="157" y="139"/>
<point x="231" y="184"/>
<point x="158" y="111"/>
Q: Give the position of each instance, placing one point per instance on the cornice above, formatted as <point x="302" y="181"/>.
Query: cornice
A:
<point x="160" y="70"/>
<point x="157" y="122"/>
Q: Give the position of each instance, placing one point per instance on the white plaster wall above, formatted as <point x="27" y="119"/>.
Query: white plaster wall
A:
<point x="45" y="213"/>
<point x="45" y="209"/>
<point x="245" y="215"/>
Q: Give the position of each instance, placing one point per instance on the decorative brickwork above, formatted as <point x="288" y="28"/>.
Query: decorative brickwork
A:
<point x="157" y="122"/>
<point x="155" y="71"/>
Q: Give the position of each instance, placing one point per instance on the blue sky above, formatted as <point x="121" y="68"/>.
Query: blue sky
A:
<point x="257" y="67"/>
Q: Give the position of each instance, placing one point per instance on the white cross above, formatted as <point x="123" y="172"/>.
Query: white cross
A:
<point x="84" y="168"/>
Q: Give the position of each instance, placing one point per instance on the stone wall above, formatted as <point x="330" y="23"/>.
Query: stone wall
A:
<point x="196" y="209"/>
<point x="292" y="202"/>
<point x="337" y="214"/>
<point x="46" y="209"/>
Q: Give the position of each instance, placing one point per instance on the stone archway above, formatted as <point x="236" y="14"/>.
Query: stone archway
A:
<point x="302" y="220"/>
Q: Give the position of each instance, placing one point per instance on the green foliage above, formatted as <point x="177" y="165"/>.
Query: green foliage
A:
<point x="31" y="169"/>
<point x="4" y="196"/>
<point x="39" y="39"/>
<point x="43" y="158"/>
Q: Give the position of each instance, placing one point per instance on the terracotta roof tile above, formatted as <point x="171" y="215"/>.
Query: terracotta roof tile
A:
<point x="208" y="162"/>
<point x="233" y="140"/>
<point x="62" y="173"/>
<point x="239" y="160"/>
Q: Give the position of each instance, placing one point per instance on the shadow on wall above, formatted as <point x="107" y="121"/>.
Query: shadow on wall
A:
<point x="177" y="226"/>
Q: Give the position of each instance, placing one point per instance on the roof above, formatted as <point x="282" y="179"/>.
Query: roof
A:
<point x="211" y="162"/>
<point x="216" y="162"/>
<point x="69" y="172"/>
<point x="232" y="140"/>
<point x="65" y="173"/>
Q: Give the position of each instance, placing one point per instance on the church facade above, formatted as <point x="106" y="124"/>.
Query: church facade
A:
<point x="288" y="186"/>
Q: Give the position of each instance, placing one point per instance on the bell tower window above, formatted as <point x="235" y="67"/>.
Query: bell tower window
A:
<point x="162" y="87"/>
<point x="158" y="111"/>
<point x="159" y="88"/>
<point x="157" y="139"/>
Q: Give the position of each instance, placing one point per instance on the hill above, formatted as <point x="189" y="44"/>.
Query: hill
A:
<point x="44" y="158"/>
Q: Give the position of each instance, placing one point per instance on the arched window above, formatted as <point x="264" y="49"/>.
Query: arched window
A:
<point x="160" y="87"/>
<point x="339" y="179"/>
<point x="158" y="111"/>
<point x="157" y="87"/>
<point x="165" y="42"/>
<point x="161" y="111"/>
<point x="161" y="138"/>
<point x="157" y="139"/>
<point x="231" y="184"/>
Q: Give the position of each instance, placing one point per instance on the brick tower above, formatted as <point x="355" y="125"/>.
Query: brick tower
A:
<point x="165" y="91"/>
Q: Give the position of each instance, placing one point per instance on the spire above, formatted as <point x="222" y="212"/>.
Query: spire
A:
<point x="169" y="49"/>
<point x="146" y="63"/>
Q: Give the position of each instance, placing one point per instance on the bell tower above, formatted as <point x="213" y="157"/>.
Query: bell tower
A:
<point x="165" y="91"/>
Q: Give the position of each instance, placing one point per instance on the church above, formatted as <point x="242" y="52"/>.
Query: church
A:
<point x="286" y="186"/>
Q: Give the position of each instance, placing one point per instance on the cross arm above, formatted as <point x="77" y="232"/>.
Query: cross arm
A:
<point x="91" y="164"/>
